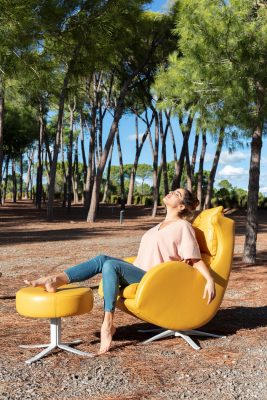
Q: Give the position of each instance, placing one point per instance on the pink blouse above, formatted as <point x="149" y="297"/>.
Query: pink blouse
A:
<point x="176" y="241"/>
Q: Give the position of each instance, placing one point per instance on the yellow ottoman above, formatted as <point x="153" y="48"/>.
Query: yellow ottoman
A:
<point x="67" y="301"/>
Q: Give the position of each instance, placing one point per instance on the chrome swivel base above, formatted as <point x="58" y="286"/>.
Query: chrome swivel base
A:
<point x="183" y="334"/>
<point x="55" y="342"/>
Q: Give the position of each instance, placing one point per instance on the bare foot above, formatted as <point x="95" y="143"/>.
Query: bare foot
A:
<point x="50" y="283"/>
<point x="106" y="338"/>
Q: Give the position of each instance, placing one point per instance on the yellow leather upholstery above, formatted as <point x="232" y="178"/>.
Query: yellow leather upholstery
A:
<point x="68" y="300"/>
<point x="170" y="294"/>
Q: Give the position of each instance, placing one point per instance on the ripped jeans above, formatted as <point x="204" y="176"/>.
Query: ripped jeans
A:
<point x="115" y="273"/>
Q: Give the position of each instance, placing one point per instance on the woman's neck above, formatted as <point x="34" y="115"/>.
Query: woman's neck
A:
<point x="171" y="215"/>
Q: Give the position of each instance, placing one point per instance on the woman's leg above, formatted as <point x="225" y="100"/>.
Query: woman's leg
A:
<point x="115" y="273"/>
<point x="78" y="273"/>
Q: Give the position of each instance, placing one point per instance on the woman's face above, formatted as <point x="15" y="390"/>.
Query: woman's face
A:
<point x="174" y="199"/>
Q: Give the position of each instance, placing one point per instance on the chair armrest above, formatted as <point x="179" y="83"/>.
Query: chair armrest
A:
<point x="130" y="259"/>
<point x="170" y="295"/>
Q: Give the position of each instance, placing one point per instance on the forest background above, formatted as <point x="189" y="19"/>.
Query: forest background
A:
<point x="74" y="73"/>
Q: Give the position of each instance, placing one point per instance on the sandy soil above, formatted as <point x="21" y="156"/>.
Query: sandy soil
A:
<point x="230" y="368"/>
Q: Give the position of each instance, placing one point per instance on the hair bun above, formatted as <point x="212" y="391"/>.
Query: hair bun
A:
<point x="195" y="203"/>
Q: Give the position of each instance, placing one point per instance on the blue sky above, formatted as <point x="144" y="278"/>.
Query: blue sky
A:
<point x="234" y="166"/>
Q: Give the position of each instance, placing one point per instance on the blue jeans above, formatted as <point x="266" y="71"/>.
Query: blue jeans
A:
<point x="115" y="273"/>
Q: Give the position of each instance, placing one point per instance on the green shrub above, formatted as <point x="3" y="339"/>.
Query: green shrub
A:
<point x="147" y="201"/>
<point x="137" y="199"/>
<point x="114" y="199"/>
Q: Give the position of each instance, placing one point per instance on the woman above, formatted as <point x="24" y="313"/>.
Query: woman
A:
<point x="172" y="239"/>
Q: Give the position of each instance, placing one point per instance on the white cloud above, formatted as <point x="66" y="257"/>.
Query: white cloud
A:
<point x="263" y="189"/>
<point x="234" y="157"/>
<point x="227" y="158"/>
<point x="209" y="157"/>
<point x="132" y="137"/>
<point x="230" y="171"/>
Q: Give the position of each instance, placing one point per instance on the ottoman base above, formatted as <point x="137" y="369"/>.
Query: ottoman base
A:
<point x="55" y="342"/>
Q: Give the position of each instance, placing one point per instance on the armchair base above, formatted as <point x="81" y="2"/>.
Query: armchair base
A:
<point x="183" y="334"/>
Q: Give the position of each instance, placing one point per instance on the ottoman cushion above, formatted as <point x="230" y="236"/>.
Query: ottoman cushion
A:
<point x="68" y="300"/>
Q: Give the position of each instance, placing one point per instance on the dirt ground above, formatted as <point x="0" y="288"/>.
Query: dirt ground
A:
<point x="230" y="368"/>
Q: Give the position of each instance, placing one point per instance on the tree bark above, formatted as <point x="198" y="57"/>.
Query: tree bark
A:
<point x="92" y="144"/>
<point x="105" y="195"/>
<point x="2" y="106"/>
<point x="83" y="154"/>
<point x="138" y="149"/>
<point x="20" y="176"/>
<point x="30" y="162"/>
<point x="121" y="170"/>
<point x="64" y="172"/>
<point x="69" y="156"/>
<point x="249" y="255"/>
<point x="200" y="172"/>
<point x="6" y="180"/>
<point x="188" y="169"/>
<point x="194" y="156"/>
<point x="39" y="174"/>
<point x="176" y="183"/>
<point x="213" y="170"/>
<point x="155" y="165"/>
<point x="14" y="181"/>
<point x="163" y="168"/>
<point x="51" y="191"/>
<point x="75" y="175"/>
<point x="98" y="177"/>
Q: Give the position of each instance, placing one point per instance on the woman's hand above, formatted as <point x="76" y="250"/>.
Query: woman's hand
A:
<point x="209" y="290"/>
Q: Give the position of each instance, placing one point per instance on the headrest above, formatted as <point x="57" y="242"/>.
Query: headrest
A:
<point x="204" y="229"/>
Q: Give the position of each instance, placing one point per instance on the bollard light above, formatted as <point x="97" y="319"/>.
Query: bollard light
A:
<point x="121" y="216"/>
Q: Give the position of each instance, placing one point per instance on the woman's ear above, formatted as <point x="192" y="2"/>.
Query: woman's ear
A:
<point x="181" y="207"/>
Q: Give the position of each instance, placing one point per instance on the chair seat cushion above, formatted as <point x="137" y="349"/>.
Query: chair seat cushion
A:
<point x="68" y="300"/>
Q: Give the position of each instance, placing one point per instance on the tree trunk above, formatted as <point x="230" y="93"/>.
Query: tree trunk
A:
<point x="194" y="156"/>
<point x="176" y="183"/>
<point x="163" y="135"/>
<point x="14" y="181"/>
<point x="188" y="169"/>
<point x="48" y="152"/>
<point x="176" y="167"/>
<point x="53" y="170"/>
<point x="121" y="170"/>
<point x="91" y="161"/>
<point x="83" y="154"/>
<point x="39" y="174"/>
<point x="100" y="130"/>
<point x="20" y="176"/>
<point x="6" y="180"/>
<point x="64" y="172"/>
<point x="249" y="255"/>
<point x="155" y="166"/>
<point x="213" y="170"/>
<point x="75" y="175"/>
<point x="1" y="133"/>
<point x="105" y="195"/>
<point x="98" y="177"/>
<point x="138" y="149"/>
<point x="69" y="157"/>
<point x="200" y="172"/>
<point x="30" y="161"/>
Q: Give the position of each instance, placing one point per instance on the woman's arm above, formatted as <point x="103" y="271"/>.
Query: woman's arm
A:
<point x="205" y="272"/>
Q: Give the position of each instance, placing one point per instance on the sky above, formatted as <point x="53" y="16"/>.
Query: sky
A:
<point x="232" y="166"/>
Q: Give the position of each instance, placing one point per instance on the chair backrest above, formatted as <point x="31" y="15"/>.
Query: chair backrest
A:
<point x="215" y="236"/>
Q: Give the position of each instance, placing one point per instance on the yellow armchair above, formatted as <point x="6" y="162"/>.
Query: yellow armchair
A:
<point x="170" y="294"/>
